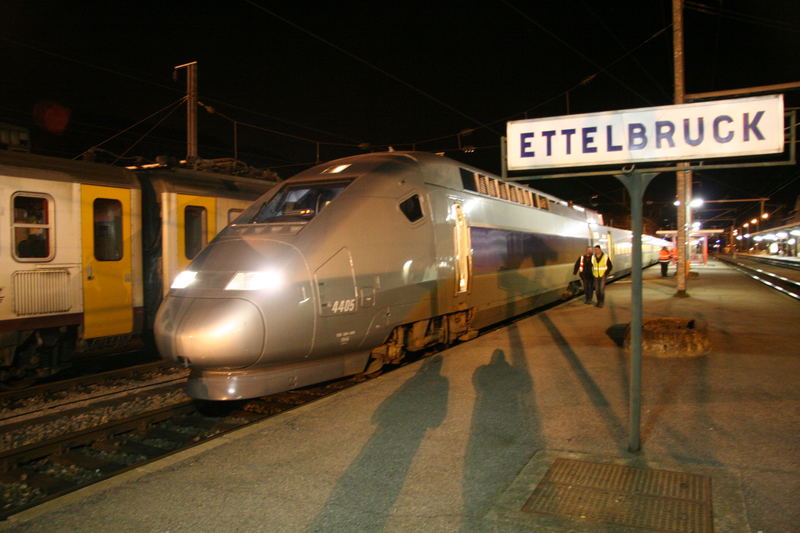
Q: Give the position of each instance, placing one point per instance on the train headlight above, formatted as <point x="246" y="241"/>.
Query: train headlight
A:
<point x="184" y="279"/>
<point x="255" y="281"/>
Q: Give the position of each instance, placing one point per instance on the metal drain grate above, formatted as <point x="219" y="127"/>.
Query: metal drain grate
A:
<point x="658" y="500"/>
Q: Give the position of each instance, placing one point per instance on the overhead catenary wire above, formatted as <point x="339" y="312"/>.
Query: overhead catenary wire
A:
<point x="145" y="134"/>
<point x="98" y="145"/>
<point x="366" y="63"/>
<point x="170" y="88"/>
<point x="574" y="50"/>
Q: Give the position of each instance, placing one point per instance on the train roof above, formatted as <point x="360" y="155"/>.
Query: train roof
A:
<point x="180" y="180"/>
<point x="60" y="169"/>
<point x="361" y="164"/>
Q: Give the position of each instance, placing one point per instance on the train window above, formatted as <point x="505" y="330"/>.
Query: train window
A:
<point x="32" y="227"/>
<point x="502" y="190"/>
<point x="494" y="189"/>
<point x="411" y="208"/>
<point x="468" y="180"/>
<point x="194" y="235"/>
<point x="483" y="184"/>
<point x="543" y="202"/>
<point x="298" y="202"/>
<point x="107" y="229"/>
<point x="233" y="213"/>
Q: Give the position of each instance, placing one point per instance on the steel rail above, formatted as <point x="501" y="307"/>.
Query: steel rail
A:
<point x="777" y="282"/>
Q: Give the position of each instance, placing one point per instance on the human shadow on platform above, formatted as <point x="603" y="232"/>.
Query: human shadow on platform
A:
<point x="615" y="426"/>
<point x="504" y="432"/>
<point x="367" y="490"/>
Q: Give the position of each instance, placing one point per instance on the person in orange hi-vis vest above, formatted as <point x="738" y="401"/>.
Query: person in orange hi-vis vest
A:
<point x="664" y="258"/>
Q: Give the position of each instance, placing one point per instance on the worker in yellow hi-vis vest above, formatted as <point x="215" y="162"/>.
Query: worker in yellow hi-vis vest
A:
<point x="601" y="268"/>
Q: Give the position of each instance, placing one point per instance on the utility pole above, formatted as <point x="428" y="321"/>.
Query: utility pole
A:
<point x="683" y="177"/>
<point x="191" y="110"/>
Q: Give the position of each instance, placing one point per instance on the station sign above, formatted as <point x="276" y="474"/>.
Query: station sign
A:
<point x="704" y="130"/>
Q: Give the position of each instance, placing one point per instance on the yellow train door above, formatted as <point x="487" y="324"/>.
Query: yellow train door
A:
<point x="106" y="253"/>
<point x="196" y="226"/>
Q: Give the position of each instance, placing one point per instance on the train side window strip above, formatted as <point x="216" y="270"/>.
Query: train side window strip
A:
<point x="32" y="226"/>
<point x="107" y="215"/>
<point x="233" y="214"/>
<point x="475" y="182"/>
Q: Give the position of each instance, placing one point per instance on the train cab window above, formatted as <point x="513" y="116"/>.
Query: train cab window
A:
<point x="411" y="208"/>
<point x="296" y="202"/>
<point x="194" y="235"/>
<point x="107" y="229"/>
<point x="233" y="213"/>
<point x="32" y="227"/>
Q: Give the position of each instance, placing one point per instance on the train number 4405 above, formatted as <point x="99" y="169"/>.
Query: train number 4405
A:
<point x="344" y="306"/>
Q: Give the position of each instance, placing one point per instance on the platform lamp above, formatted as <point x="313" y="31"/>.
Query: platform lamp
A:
<point x="746" y="225"/>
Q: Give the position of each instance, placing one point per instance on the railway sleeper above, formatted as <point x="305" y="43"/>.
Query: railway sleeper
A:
<point x="87" y="462"/>
<point x="43" y="482"/>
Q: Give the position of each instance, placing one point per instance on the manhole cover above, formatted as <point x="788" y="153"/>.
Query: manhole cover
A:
<point x="657" y="500"/>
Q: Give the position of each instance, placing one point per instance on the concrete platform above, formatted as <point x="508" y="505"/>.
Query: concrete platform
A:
<point x="448" y="443"/>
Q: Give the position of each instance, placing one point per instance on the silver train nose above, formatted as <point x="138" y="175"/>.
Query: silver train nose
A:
<point x="210" y="332"/>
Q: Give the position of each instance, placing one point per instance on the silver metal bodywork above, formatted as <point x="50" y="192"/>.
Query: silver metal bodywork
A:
<point x="362" y="281"/>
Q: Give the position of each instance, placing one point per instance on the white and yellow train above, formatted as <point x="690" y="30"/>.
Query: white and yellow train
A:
<point x="87" y="252"/>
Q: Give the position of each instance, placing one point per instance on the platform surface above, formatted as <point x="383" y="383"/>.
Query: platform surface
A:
<point x="456" y="442"/>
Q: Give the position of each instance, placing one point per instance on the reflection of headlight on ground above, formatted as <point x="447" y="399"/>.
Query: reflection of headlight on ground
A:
<point x="184" y="279"/>
<point x="255" y="281"/>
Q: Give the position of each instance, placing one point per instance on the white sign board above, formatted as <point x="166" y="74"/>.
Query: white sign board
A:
<point x="724" y="128"/>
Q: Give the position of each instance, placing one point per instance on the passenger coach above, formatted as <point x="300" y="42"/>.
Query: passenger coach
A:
<point x="88" y="250"/>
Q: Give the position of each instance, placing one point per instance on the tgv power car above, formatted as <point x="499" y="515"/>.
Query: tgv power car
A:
<point x="349" y="264"/>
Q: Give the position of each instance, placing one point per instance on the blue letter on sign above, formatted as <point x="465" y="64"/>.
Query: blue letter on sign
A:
<point x="748" y="126"/>
<point x="549" y="136"/>
<point x="700" y="132"/>
<point x="717" y="136"/>
<point x="637" y="138"/>
<point x="611" y="146"/>
<point x="525" y="144"/>
<point x="665" y="129"/>
<point x="568" y="133"/>
<point x="588" y="139"/>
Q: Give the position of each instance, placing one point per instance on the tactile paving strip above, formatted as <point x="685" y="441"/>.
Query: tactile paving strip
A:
<point x="657" y="500"/>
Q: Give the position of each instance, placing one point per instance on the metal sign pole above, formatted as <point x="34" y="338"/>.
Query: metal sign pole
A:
<point x="636" y="183"/>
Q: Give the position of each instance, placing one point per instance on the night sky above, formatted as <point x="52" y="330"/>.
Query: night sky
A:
<point x="342" y="78"/>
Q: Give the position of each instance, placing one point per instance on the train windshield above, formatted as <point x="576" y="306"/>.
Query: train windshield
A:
<point x="297" y="202"/>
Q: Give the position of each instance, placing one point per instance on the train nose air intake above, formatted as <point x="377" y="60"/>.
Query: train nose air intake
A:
<point x="211" y="332"/>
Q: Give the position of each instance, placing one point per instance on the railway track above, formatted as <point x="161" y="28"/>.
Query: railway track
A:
<point x="45" y="452"/>
<point x="57" y="453"/>
<point x="750" y="267"/>
<point x="16" y="405"/>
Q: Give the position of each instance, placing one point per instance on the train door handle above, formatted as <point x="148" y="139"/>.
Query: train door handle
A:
<point x="367" y="296"/>
<point x="89" y="274"/>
